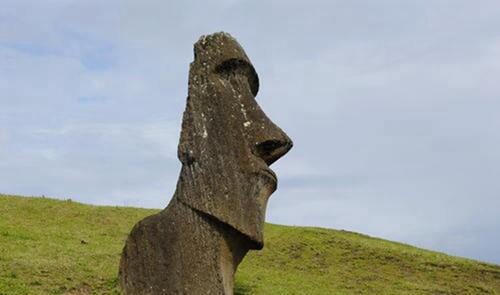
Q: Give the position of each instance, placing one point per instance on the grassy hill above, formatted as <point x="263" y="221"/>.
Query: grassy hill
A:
<point x="62" y="247"/>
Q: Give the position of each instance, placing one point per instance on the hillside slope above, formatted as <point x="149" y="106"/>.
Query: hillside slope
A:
<point x="62" y="247"/>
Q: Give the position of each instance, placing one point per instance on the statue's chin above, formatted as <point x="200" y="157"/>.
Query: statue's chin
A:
<point x="266" y="186"/>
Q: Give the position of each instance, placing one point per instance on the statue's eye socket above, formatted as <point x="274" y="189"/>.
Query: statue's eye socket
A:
<point x="233" y="67"/>
<point x="230" y="66"/>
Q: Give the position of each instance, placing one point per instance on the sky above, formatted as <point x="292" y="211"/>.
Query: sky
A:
<point x="393" y="107"/>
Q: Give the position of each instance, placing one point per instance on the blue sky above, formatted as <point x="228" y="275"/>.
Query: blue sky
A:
<point x="392" y="105"/>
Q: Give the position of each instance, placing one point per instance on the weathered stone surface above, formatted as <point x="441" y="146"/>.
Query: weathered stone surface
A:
<point x="217" y="213"/>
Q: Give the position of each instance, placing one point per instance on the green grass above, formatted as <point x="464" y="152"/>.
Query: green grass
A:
<point x="62" y="247"/>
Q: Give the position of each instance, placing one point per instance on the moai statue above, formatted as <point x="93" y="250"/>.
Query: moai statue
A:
<point x="217" y="212"/>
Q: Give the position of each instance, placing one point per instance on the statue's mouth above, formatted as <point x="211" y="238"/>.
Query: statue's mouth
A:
<point x="270" y="174"/>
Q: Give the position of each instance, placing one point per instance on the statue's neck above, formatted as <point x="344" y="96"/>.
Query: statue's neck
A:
<point x="223" y="248"/>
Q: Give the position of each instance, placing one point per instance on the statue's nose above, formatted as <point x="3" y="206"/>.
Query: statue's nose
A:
<point x="274" y="147"/>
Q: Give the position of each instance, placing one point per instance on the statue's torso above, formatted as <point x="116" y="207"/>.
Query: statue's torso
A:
<point x="178" y="251"/>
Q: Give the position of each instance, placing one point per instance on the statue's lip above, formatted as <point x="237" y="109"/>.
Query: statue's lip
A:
<point x="270" y="174"/>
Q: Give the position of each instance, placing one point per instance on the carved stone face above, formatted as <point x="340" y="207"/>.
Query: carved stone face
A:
<point x="227" y="142"/>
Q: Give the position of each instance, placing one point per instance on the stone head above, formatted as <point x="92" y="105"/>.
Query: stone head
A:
<point x="227" y="142"/>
